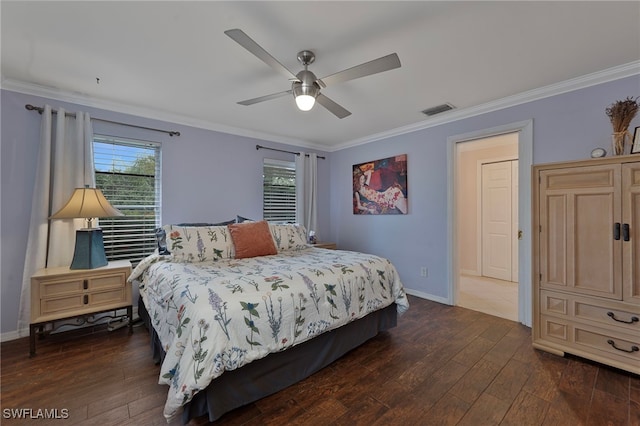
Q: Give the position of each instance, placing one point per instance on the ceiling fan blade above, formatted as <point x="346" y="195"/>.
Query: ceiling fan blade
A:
<point x="245" y="41"/>
<point x="333" y="107"/>
<point x="265" y="98"/>
<point x="385" y="63"/>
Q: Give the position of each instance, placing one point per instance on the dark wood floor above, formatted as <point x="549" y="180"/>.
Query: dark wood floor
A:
<point x="441" y="365"/>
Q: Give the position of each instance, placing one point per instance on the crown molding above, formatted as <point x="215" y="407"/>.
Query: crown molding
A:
<point x="149" y="113"/>
<point x="611" y="74"/>
<point x="593" y="79"/>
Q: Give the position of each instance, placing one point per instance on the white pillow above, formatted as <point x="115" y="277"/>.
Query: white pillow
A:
<point x="193" y="244"/>
<point x="289" y="236"/>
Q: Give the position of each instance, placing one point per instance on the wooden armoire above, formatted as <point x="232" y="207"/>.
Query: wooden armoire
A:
<point x="586" y="259"/>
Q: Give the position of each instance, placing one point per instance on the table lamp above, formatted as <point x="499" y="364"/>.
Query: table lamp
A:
<point x="88" y="203"/>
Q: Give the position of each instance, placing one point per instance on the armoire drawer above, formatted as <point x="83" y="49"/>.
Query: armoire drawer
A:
<point x="621" y="350"/>
<point x="601" y="341"/>
<point x="603" y="313"/>
<point x="611" y="317"/>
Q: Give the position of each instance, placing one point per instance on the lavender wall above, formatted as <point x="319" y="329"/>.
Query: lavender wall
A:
<point x="565" y="127"/>
<point x="214" y="176"/>
<point x="207" y="176"/>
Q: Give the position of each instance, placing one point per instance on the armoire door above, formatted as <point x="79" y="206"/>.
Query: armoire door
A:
<point x="579" y="248"/>
<point x="631" y="231"/>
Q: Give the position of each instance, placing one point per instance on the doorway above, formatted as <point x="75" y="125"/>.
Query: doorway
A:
<point x="505" y="154"/>
<point x="488" y="281"/>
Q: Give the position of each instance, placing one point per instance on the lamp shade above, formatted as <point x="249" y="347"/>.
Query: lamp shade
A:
<point x="86" y="203"/>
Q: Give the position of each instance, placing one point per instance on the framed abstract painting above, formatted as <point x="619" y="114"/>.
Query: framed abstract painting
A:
<point x="380" y="186"/>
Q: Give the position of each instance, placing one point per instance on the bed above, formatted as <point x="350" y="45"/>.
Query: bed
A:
<point x="240" y="311"/>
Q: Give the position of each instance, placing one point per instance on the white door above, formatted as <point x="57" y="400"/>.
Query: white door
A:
<point x="498" y="228"/>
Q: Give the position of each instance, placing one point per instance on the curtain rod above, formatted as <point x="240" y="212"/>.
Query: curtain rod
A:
<point x="282" y="150"/>
<point x="70" y="114"/>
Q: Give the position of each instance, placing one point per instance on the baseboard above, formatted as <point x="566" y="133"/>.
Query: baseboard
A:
<point x="14" y="335"/>
<point x="427" y="296"/>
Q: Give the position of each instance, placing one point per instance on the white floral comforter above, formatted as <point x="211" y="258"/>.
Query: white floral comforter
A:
<point x="217" y="316"/>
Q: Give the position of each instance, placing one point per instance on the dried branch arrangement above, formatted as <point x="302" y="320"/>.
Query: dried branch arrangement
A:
<point x="621" y="113"/>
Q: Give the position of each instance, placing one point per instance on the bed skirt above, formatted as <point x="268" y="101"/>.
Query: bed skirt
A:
<point x="279" y="370"/>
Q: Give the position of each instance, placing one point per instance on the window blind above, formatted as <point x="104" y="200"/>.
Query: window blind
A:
<point x="279" y="191"/>
<point x="128" y="173"/>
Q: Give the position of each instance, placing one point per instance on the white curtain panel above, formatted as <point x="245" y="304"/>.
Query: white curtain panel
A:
<point x="306" y="190"/>
<point x="65" y="162"/>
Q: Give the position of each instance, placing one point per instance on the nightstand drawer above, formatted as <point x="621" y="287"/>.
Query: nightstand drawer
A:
<point x="60" y="288"/>
<point x="105" y="282"/>
<point x="61" y="305"/>
<point x="71" y="304"/>
<point x="108" y="297"/>
<point x="64" y="287"/>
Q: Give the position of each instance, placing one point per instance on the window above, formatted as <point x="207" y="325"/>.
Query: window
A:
<point x="279" y="191"/>
<point x="128" y="173"/>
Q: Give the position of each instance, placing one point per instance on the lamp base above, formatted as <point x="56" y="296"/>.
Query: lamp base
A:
<point x="89" y="251"/>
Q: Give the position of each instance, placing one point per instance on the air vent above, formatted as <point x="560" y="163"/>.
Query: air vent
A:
<point x="438" y="109"/>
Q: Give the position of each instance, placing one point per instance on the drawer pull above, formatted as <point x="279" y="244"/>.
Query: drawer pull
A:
<point x="85" y="284"/>
<point x="634" y="348"/>
<point x="86" y="299"/>
<point x="613" y="317"/>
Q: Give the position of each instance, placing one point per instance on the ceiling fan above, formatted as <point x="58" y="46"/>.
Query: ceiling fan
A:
<point x="305" y="86"/>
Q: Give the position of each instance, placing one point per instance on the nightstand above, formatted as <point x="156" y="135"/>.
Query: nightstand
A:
<point x="62" y="293"/>
<point x="330" y="246"/>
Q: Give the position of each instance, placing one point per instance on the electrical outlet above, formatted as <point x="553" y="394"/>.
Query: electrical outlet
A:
<point x="424" y="271"/>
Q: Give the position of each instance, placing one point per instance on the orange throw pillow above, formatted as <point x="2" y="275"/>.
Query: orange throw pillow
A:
<point x="252" y="239"/>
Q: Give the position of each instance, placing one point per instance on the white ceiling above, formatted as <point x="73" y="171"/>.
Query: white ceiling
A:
<point x="172" y="60"/>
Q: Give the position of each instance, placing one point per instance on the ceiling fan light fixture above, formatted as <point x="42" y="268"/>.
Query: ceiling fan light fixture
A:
<point x="305" y="95"/>
<point x="305" y="102"/>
